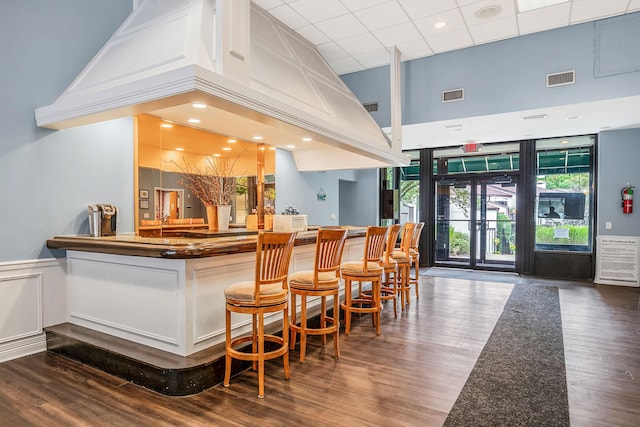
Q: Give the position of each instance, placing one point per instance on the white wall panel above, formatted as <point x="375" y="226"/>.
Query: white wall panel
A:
<point x="32" y="296"/>
<point x="128" y="296"/>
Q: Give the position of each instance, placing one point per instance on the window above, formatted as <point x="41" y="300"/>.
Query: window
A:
<point x="563" y="219"/>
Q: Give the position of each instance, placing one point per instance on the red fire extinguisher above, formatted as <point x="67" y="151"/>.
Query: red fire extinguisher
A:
<point x="627" y="198"/>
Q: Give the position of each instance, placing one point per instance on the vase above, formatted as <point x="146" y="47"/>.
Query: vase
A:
<point x="212" y="217"/>
<point x="224" y="212"/>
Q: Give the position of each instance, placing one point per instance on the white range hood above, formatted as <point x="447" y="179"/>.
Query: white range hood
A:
<point x="255" y="74"/>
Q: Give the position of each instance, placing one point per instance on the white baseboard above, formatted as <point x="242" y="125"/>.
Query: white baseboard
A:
<point x="22" y="347"/>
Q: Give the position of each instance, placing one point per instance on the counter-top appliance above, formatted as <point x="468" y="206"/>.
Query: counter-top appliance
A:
<point x="103" y="219"/>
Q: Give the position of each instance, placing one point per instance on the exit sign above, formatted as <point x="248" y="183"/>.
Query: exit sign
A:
<point x="471" y="147"/>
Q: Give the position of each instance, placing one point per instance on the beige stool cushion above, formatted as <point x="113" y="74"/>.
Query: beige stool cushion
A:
<point x="245" y="291"/>
<point x="304" y="279"/>
<point x="400" y="256"/>
<point x="387" y="265"/>
<point x="356" y="268"/>
<point x="414" y="253"/>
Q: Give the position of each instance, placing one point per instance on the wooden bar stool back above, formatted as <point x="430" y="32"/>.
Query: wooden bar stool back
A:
<point x="322" y="281"/>
<point x="414" y="251"/>
<point x="267" y="293"/>
<point x="403" y="257"/>
<point x="366" y="270"/>
<point x="389" y="287"/>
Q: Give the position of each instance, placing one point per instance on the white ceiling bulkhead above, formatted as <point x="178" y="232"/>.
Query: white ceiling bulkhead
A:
<point x="255" y="75"/>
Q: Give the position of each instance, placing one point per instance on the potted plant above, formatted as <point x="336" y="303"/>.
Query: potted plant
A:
<point x="213" y="182"/>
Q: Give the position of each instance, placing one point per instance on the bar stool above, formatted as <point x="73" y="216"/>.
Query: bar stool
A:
<point x="403" y="257"/>
<point x="366" y="270"/>
<point x="322" y="281"/>
<point x="267" y="293"/>
<point x="414" y="251"/>
<point x="389" y="287"/>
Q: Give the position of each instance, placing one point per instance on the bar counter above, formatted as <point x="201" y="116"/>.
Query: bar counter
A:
<point x="168" y="293"/>
<point x="191" y="244"/>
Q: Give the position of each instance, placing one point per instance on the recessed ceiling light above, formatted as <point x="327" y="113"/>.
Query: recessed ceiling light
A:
<point x="439" y="25"/>
<point x="199" y="105"/>
<point x="194" y="120"/>
<point x="257" y="138"/>
<point x="226" y="148"/>
<point x="488" y="12"/>
<point x="231" y="141"/>
<point x="179" y="149"/>
<point x="574" y="118"/>
<point x="527" y="5"/>
<point x="291" y="146"/>
<point x="307" y="139"/>
<point x="166" y="125"/>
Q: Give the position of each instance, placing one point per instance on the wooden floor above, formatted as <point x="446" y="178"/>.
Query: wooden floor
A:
<point x="409" y="376"/>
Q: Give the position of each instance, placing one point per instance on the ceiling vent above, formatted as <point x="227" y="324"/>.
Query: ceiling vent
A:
<point x="453" y="95"/>
<point x="371" y="107"/>
<point x="561" y="79"/>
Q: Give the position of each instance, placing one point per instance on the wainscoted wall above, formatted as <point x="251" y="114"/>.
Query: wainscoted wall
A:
<point x="33" y="294"/>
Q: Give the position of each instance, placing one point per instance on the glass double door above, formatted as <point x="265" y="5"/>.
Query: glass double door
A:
<point x="475" y="222"/>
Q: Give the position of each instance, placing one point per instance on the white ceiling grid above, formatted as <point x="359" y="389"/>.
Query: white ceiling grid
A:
<point x="354" y="35"/>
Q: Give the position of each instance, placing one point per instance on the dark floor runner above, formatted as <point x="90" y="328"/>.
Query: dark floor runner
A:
<point x="519" y="378"/>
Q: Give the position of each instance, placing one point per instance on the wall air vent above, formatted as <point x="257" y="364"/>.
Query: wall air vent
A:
<point x="560" y="79"/>
<point x="452" y="95"/>
<point x="371" y="107"/>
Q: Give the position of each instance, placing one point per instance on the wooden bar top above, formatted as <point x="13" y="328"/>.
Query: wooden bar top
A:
<point x="221" y="243"/>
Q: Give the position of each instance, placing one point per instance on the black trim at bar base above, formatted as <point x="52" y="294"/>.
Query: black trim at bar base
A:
<point x="157" y="370"/>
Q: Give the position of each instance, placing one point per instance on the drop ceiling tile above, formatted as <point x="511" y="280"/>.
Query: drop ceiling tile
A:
<point x="374" y="58"/>
<point x="397" y="34"/>
<point x="450" y="41"/>
<point x="331" y="51"/>
<point x="289" y="17"/>
<point x="359" y="44"/>
<point x="634" y="5"/>
<point x="382" y="15"/>
<point x="469" y="11"/>
<point x="495" y="30"/>
<point x="313" y="34"/>
<point x="316" y="11"/>
<point x="421" y="8"/>
<point x="585" y="10"/>
<point x="345" y="65"/>
<point x="354" y="5"/>
<point x="268" y="4"/>
<point x="452" y="18"/>
<point x="414" y="49"/>
<point x="341" y="27"/>
<point x="544" y="19"/>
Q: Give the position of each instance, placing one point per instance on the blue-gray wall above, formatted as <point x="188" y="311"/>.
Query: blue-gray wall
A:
<point x="509" y="75"/>
<point x="48" y="178"/>
<point x="619" y="164"/>
<point x="301" y="189"/>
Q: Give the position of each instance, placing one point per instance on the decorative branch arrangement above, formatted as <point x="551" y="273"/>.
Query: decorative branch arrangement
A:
<point x="213" y="182"/>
